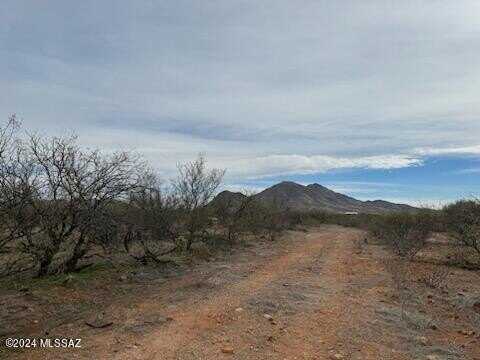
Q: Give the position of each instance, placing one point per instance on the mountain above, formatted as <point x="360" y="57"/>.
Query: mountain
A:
<point x="228" y="199"/>
<point x="314" y="197"/>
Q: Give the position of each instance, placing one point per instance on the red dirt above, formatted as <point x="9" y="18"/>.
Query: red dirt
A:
<point x="313" y="295"/>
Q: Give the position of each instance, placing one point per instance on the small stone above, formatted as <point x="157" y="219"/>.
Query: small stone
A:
<point x="467" y="332"/>
<point x="432" y="357"/>
<point x="239" y="309"/>
<point x="123" y="278"/>
<point x="336" y="356"/>
<point x="227" y="350"/>
<point x="422" y="340"/>
<point x="268" y="317"/>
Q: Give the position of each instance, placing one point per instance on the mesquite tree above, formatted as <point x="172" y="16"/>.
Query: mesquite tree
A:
<point x="54" y="194"/>
<point x="149" y="220"/>
<point x="195" y="187"/>
<point x="463" y="222"/>
<point x="18" y="178"/>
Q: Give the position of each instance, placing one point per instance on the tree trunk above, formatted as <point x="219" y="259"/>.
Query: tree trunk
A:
<point x="190" y="238"/>
<point x="78" y="252"/>
<point x="45" y="262"/>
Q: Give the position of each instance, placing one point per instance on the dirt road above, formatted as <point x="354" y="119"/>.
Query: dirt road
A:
<point x="315" y="295"/>
<point x="289" y="306"/>
<point x="306" y="301"/>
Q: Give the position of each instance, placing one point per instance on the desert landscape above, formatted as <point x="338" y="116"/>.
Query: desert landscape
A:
<point x="96" y="252"/>
<point x="324" y="293"/>
<point x="244" y="180"/>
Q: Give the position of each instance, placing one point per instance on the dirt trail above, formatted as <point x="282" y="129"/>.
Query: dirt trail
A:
<point x="315" y="295"/>
<point x="306" y="291"/>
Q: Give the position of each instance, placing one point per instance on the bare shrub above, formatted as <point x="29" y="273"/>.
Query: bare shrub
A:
<point x="276" y="222"/>
<point x="464" y="257"/>
<point x="400" y="271"/>
<point x="273" y="218"/>
<point x="55" y="194"/>
<point x="359" y="244"/>
<point x="405" y="233"/>
<point x="237" y="215"/>
<point x="16" y="174"/>
<point x="435" y="278"/>
<point x="463" y="223"/>
<point x="195" y="186"/>
<point x="149" y="221"/>
<point x="75" y="189"/>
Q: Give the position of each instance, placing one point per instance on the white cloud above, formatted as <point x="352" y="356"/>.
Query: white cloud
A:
<point x="274" y="165"/>
<point x="244" y="188"/>
<point x="466" y="150"/>
<point x="263" y="89"/>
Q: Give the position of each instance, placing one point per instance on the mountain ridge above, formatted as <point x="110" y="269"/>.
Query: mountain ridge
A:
<point x="314" y="197"/>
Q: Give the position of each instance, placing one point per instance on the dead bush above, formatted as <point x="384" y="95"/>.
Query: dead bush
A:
<point x="149" y="226"/>
<point x="435" y="278"/>
<point x="237" y="216"/>
<point x="200" y="250"/>
<point x="359" y="245"/>
<point x="195" y="186"/>
<point x="405" y="233"/>
<point x="53" y="195"/>
<point x="400" y="270"/>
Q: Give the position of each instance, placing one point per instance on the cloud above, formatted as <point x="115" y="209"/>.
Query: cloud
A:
<point x="275" y="165"/>
<point x="264" y="89"/>
<point x="244" y="188"/>
<point x="466" y="150"/>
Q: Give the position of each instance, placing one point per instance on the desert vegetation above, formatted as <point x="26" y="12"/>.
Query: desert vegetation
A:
<point x="63" y="205"/>
<point x="96" y="224"/>
<point x="407" y="234"/>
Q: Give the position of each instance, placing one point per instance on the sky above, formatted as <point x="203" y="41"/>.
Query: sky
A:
<point x="375" y="98"/>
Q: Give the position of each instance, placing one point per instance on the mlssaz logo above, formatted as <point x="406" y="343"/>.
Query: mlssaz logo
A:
<point x="61" y="343"/>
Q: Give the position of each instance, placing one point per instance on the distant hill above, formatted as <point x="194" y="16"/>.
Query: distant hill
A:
<point x="313" y="197"/>
<point x="228" y="199"/>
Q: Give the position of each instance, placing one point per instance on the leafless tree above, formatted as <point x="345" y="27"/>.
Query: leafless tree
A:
<point x="150" y="226"/>
<point x="76" y="189"/>
<point x="17" y="180"/>
<point x="238" y="215"/>
<point x="54" y="194"/>
<point x="275" y="217"/>
<point x="405" y="233"/>
<point x="195" y="186"/>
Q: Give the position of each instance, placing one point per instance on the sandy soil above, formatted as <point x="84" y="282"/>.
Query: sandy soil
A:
<point x="317" y="295"/>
